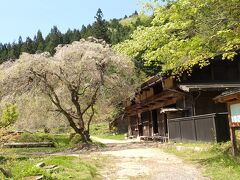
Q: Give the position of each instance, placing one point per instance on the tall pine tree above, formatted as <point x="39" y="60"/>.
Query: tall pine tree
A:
<point x="40" y="42"/>
<point x="100" y="27"/>
<point x="53" y="40"/>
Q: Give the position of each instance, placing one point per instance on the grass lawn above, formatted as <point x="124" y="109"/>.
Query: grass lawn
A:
<point x="69" y="167"/>
<point x="20" y="162"/>
<point x="101" y="130"/>
<point x="111" y="136"/>
<point x="61" y="142"/>
<point x="217" y="162"/>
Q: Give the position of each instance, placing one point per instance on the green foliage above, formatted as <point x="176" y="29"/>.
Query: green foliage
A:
<point x="69" y="167"/>
<point x="184" y="33"/>
<point x="60" y="140"/>
<point x="9" y="115"/>
<point x="28" y="137"/>
<point x="100" y="28"/>
<point x="101" y="130"/>
<point x="76" y="139"/>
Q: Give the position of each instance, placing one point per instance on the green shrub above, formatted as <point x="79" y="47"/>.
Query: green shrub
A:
<point x="9" y="115"/>
<point x="2" y="158"/>
<point x="99" y="128"/>
<point x="71" y="136"/>
<point x="76" y="139"/>
<point x="28" y="137"/>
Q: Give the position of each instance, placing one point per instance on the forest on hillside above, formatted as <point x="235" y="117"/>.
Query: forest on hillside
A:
<point x="112" y="31"/>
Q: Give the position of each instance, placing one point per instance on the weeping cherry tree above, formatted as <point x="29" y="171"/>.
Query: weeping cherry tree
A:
<point x="74" y="79"/>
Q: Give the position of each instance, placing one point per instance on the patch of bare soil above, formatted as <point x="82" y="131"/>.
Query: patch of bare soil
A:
<point x="144" y="161"/>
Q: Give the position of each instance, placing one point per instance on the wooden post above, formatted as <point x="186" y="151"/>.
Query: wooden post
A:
<point x="232" y="131"/>
<point x="130" y="133"/>
<point x="138" y="123"/>
<point x="234" y="142"/>
<point x="150" y="124"/>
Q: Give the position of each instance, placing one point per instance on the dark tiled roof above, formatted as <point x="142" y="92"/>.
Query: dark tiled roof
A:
<point x="230" y="92"/>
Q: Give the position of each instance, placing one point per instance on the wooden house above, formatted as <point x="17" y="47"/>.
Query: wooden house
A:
<point x="184" y="110"/>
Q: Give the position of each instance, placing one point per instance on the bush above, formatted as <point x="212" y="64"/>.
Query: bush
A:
<point x="76" y="139"/>
<point x="2" y="158"/>
<point x="9" y="115"/>
<point x="28" y="137"/>
<point x="71" y="136"/>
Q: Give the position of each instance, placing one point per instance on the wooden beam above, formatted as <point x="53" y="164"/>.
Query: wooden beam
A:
<point x="158" y="101"/>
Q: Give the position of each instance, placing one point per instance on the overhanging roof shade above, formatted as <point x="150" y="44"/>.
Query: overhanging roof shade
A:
<point x="165" y="98"/>
<point x="228" y="96"/>
<point x="196" y="87"/>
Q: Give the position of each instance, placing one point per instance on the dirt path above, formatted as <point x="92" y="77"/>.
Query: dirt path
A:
<point x="133" y="160"/>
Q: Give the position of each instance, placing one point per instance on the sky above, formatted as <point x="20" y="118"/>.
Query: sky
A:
<point x="25" y="17"/>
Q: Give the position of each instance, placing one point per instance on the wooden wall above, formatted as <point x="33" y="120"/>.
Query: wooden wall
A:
<point x="146" y="123"/>
<point x="204" y="104"/>
<point x="133" y="128"/>
<point x="217" y="71"/>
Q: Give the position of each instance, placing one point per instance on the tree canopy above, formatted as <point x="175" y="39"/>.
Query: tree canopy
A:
<point x="74" y="80"/>
<point x="185" y="33"/>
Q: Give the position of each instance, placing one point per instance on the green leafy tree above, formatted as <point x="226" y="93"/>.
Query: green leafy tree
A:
<point x="9" y="115"/>
<point x="185" y="33"/>
<point x="119" y="32"/>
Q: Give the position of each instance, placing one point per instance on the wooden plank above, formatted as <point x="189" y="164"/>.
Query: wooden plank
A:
<point x="168" y="83"/>
<point x="28" y="145"/>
